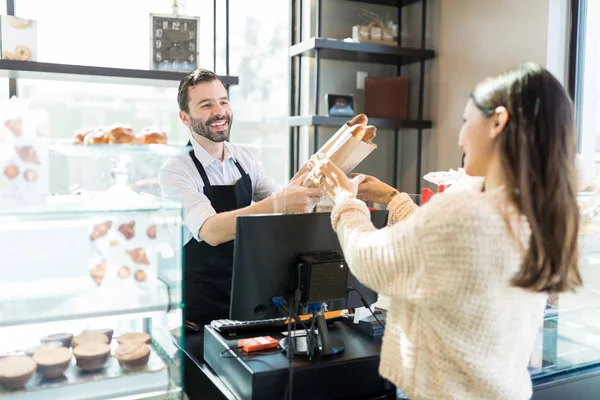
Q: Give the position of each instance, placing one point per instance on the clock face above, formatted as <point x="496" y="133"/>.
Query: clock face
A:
<point x="174" y="43"/>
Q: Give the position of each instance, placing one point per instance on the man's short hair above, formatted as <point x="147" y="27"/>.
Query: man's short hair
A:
<point x="190" y="80"/>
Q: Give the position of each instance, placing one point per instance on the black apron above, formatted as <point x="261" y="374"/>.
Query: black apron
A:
<point x="208" y="269"/>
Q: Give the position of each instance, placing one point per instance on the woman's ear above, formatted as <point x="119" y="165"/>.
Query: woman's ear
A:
<point x="500" y="118"/>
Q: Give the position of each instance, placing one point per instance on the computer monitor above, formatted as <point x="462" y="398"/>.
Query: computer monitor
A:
<point x="266" y="252"/>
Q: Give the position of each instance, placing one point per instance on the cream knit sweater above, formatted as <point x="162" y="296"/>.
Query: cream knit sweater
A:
<point x="456" y="329"/>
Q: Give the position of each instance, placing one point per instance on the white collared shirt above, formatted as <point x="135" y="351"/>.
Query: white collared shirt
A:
<point x="180" y="181"/>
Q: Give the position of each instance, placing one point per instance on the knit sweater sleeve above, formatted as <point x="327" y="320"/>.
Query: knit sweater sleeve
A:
<point x="400" y="208"/>
<point x="419" y="259"/>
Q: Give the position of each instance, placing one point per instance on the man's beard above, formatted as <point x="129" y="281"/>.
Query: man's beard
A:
<point x="203" y="128"/>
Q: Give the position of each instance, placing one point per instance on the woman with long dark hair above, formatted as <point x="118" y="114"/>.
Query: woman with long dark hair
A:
<point x="468" y="273"/>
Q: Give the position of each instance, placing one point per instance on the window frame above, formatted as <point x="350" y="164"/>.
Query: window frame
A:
<point x="583" y="75"/>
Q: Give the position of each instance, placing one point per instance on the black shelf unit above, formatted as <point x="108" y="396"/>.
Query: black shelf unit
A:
<point x="82" y="73"/>
<point x="384" y="123"/>
<point x="14" y="69"/>
<point x="360" y="52"/>
<point x="392" y="3"/>
<point x="321" y="48"/>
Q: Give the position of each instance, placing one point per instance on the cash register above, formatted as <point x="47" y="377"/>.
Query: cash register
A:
<point x="286" y="266"/>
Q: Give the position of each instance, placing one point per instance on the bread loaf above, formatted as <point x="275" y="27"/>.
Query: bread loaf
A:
<point x="358" y="131"/>
<point x="360" y="119"/>
<point x="370" y="133"/>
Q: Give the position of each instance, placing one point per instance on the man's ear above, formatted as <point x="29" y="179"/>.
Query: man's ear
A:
<point x="500" y="120"/>
<point x="185" y="118"/>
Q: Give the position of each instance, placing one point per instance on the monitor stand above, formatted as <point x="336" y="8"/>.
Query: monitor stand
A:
<point x="327" y="345"/>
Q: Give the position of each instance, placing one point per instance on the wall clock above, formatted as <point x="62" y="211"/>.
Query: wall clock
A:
<point x="174" y="42"/>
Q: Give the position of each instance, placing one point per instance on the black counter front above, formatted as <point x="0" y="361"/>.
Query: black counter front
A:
<point x="350" y="375"/>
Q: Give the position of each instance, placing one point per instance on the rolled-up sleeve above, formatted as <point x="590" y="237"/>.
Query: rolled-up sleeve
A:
<point x="176" y="184"/>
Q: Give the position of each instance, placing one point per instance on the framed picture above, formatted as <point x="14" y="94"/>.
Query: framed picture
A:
<point x="341" y="105"/>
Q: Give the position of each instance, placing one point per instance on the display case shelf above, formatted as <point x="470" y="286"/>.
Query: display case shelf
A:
<point x="111" y="382"/>
<point x="84" y="73"/>
<point x="79" y="298"/>
<point x="116" y="150"/>
<point x="87" y="203"/>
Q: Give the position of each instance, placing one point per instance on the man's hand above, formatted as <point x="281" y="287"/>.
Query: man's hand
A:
<point x="296" y="200"/>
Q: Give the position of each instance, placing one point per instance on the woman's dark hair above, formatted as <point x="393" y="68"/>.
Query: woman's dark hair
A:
<point x="192" y="79"/>
<point x="537" y="153"/>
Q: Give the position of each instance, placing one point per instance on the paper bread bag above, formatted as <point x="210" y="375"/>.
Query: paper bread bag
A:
<point x="349" y="146"/>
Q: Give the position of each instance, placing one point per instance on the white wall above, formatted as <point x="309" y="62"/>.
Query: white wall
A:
<point x="472" y="39"/>
<point x="477" y="39"/>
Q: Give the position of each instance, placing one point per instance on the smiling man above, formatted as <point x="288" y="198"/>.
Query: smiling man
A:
<point x="215" y="183"/>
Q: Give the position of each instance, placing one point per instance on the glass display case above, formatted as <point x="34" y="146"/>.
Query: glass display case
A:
<point x="96" y="266"/>
<point x="569" y="338"/>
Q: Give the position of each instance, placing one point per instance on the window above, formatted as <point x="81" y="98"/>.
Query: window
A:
<point x="586" y="75"/>
<point x="115" y="33"/>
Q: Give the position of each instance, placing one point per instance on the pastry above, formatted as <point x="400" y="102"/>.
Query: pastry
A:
<point x="81" y="133"/>
<point x="27" y="154"/>
<point x="91" y="356"/>
<point x="12" y="171"/>
<point x="140" y="275"/>
<point x="7" y="55"/>
<point x="370" y="133"/>
<point x="52" y="362"/>
<point x="127" y="230"/>
<point x="123" y="273"/>
<point x="19" y="23"/>
<point x="51" y="345"/>
<point x="136" y="337"/>
<point x="16" y="371"/>
<point x="133" y="355"/>
<point x="100" y="230"/>
<point x="98" y="273"/>
<point x="106" y="332"/>
<point x="119" y="134"/>
<point x="97" y="136"/>
<point x="30" y="175"/>
<point x="15" y="126"/>
<point x="90" y="337"/>
<point x="22" y="53"/>
<point x="138" y="255"/>
<point x="151" y="232"/>
<point x="63" y="338"/>
<point x="151" y="135"/>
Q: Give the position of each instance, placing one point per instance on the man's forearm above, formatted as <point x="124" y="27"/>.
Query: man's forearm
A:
<point x="220" y="228"/>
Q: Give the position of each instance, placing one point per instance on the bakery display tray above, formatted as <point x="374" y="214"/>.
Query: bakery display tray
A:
<point x="108" y="383"/>
<point x="112" y="150"/>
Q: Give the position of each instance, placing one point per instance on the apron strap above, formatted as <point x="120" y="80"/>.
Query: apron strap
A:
<point x="199" y="167"/>
<point x="201" y="170"/>
<point x="239" y="167"/>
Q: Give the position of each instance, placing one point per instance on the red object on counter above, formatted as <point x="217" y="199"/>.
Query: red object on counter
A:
<point x="426" y="194"/>
<point x="441" y="188"/>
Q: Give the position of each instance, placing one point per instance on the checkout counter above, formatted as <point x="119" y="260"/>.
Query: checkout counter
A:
<point x="565" y="363"/>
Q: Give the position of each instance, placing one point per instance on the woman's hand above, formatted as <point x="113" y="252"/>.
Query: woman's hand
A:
<point x="332" y="180"/>
<point x="373" y="190"/>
